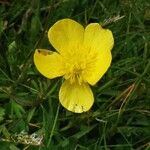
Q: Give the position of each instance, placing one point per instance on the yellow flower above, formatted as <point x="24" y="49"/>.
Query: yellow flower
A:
<point x="82" y="57"/>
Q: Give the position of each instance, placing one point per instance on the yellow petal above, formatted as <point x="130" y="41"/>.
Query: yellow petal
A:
<point x="48" y="63"/>
<point x="98" y="38"/>
<point x="75" y="97"/>
<point x="97" y="67"/>
<point x="66" y="33"/>
<point x="99" y="41"/>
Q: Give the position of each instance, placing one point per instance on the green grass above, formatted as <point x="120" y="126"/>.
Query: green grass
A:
<point x="120" y="117"/>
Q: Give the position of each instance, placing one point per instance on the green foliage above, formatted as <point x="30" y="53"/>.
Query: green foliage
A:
<point x="2" y="113"/>
<point x="29" y="105"/>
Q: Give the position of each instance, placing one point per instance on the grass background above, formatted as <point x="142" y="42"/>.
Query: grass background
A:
<point x="29" y="105"/>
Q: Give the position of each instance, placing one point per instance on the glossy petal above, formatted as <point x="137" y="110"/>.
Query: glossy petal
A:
<point x="48" y="63"/>
<point x="96" y="37"/>
<point x="99" y="42"/>
<point x="65" y="34"/>
<point x="97" y="67"/>
<point x="75" y="97"/>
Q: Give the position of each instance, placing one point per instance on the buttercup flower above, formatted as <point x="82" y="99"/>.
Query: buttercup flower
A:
<point x="82" y="57"/>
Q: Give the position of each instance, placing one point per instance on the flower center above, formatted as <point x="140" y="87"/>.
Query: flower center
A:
<point x="77" y="62"/>
<point x="74" y="72"/>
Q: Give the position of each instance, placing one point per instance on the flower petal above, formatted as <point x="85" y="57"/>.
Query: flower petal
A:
<point x="98" y="38"/>
<point x="75" y="97"/>
<point x="97" y="67"/>
<point x="99" y="41"/>
<point x="48" y="63"/>
<point x="65" y="33"/>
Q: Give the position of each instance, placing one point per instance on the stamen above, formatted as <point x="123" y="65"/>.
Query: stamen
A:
<point x="75" y="73"/>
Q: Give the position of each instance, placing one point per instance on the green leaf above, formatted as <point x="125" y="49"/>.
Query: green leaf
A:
<point x="30" y="114"/>
<point x="83" y="132"/>
<point x="13" y="147"/>
<point x="2" y="113"/>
